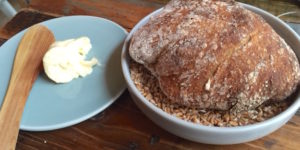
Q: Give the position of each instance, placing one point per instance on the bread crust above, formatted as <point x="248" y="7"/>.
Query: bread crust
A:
<point x="215" y="55"/>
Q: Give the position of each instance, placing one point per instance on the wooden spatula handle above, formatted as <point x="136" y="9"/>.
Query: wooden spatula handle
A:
<point x="27" y="62"/>
<point x="11" y="112"/>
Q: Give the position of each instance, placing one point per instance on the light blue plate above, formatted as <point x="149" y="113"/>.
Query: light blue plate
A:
<point x="52" y="106"/>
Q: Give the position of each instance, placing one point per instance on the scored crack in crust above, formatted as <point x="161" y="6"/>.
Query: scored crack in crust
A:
<point x="215" y="54"/>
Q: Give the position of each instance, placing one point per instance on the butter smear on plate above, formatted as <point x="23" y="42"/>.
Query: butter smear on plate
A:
<point x="65" y="60"/>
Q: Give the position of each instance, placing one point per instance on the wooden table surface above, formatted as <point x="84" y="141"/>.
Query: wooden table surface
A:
<point x="123" y="125"/>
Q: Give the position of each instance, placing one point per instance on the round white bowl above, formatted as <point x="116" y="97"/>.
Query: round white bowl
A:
<point x="207" y="134"/>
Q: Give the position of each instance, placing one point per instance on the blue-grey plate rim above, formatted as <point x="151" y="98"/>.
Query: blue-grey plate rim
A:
<point x="89" y="115"/>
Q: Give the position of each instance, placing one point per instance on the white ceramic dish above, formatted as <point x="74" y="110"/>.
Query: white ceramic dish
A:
<point x="206" y="134"/>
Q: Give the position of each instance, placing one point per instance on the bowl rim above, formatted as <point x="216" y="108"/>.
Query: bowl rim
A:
<point x="126" y="72"/>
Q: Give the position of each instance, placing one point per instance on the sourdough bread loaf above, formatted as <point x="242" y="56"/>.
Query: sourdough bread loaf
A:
<point x="215" y="55"/>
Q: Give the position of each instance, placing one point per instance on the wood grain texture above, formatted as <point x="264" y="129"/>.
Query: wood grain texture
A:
<point x="105" y="8"/>
<point x="122" y="125"/>
<point x="125" y="12"/>
<point x="2" y="41"/>
<point x="277" y="7"/>
<point x="24" y="19"/>
<point x="26" y="68"/>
